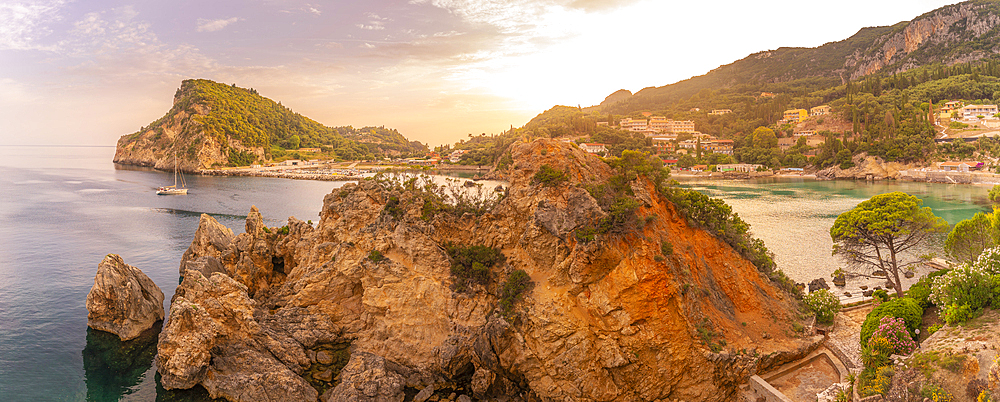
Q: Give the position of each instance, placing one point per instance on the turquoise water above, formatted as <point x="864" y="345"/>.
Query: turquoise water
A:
<point x="62" y="209"/>
<point x="793" y="216"/>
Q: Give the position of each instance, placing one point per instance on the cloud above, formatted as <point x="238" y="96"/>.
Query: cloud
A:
<point x="23" y="24"/>
<point x="214" y="25"/>
<point x="375" y="22"/>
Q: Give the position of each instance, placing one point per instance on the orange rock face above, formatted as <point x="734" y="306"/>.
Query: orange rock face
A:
<point x="609" y="319"/>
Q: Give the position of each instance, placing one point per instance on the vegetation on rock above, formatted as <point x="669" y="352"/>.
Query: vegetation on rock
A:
<point x="471" y="264"/>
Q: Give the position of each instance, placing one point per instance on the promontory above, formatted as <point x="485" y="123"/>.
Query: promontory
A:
<point x="575" y="280"/>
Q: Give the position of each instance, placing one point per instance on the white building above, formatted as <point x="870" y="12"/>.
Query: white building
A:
<point x="593" y="148"/>
<point x="637" y="126"/>
<point x="973" y="111"/>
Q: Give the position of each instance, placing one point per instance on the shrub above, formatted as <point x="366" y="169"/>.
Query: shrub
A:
<point x="824" y="303"/>
<point x="666" y="248"/>
<point x="881" y="294"/>
<point x="893" y="330"/>
<point x="283" y="230"/>
<point x="956" y="314"/>
<point x="964" y="290"/>
<point x="876" y="352"/>
<point x="921" y="291"/>
<point x="392" y="208"/>
<point x="875" y="381"/>
<point x="935" y="393"/>
<point x="517" y="282"/>
<point x="905" y="308"/>
<point x="471" y="264"/>
<point x="549" y="176"/>
<point x="376" y="256"/>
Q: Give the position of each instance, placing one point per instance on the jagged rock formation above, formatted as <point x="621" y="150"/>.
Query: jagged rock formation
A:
<point x="612" y="319"/>
<point x="123" y="300"/>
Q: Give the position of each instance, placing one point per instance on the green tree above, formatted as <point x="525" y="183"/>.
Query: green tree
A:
<point x="995" y="194"/>
<point x="882" y="234"/>
<point x="970" y="237"/>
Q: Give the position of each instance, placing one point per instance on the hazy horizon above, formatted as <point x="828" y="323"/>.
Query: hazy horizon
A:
<point x="85" y="73"/>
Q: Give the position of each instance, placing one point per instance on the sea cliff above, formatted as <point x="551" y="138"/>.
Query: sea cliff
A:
<point x="366" y="305"/>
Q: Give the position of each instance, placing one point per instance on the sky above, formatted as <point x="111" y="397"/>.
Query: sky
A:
<point x="87" y="72"/>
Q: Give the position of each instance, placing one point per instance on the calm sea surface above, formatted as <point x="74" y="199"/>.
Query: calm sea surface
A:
<point x="62" y="209"/>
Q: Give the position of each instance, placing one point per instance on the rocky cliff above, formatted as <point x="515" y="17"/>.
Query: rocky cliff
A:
<point x="365" y="306"/>
<point x="959" y="33"/>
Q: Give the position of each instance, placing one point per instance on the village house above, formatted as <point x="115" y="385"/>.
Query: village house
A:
<point x="719" y="112"/>
<point x="670" y="162"/>
<point x="786" y="142"/>
<point x="974" y="111"/>
<point x="796" y="115"/>
<point x="819" y="110"/>
<point x="593" y="148"/>
<point x="959" y="166"/>
<point x="456" y="155"/>
<point x="718" y="146"/>
<point x="689" y="144"/>
<point x="804" y="133"/>
<point x="663" y="144"/>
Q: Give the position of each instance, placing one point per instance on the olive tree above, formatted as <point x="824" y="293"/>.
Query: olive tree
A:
<point x="883" y="234"/>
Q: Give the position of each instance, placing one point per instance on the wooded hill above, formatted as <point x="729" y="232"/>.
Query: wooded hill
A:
<point x="248" y="128"/>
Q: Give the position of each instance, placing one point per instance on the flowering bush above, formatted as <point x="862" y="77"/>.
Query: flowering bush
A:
<point x="875" y="382"/>
<point x="876" y="353"/>
<point x="894" y="331"/>
<point x="964" y="291"/>
<point x="967" y="285"/>
<point x="824" y="303"/>
<point x="906" y="308"/>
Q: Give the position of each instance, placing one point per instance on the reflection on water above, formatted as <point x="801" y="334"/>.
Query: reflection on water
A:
<point x="113" y="368"/>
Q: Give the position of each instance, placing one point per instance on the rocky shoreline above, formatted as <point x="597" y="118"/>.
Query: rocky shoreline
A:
<point x="364" y="306"/>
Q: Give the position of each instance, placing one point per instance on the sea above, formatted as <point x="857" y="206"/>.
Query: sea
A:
<point x="62" y="209"/>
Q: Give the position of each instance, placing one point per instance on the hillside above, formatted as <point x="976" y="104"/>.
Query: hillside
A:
<point x="957" y="33"/>
<point x="213" y="124"/>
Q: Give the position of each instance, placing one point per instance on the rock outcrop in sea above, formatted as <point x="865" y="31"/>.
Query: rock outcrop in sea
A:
<point x="864" y="168"/>
<point x="123" y="300"/>
<point x="364" y="306"/>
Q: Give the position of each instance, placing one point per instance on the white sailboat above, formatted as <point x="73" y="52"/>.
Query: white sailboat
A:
<point x="174" y="189"/>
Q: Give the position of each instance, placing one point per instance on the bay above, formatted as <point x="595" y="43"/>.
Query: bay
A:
<point x="793" y="216"/>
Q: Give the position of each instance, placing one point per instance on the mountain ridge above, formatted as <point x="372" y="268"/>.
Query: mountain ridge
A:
<point x="957" y="33"/>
